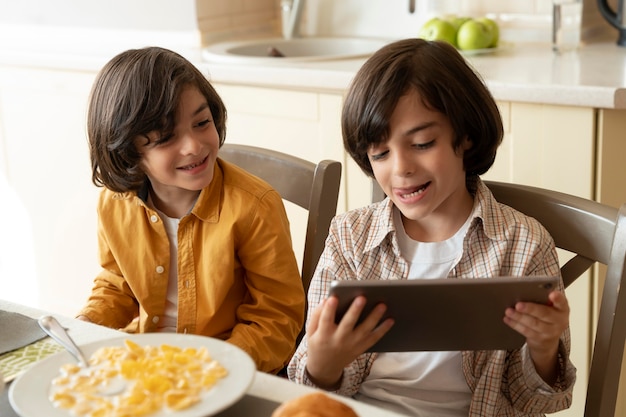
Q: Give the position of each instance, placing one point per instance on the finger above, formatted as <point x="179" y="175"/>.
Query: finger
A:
<point x="552" y="319"/>
<point x="315" y="317"/>
<point x="350" y="319"/>
<point x="532" y="327"/>
<point x="559" y="301"/>
<point x="528" y="332"/>
<point x="373" y="319"/>
<point x="532" y="310"/>
<point x="546" y="314"/>
<point x="372" y="337"/>
<point x="525" y="315"/>
<point x="519" y="321"/>
<point x="328" y="312"/>
<point x="382" y="328"/>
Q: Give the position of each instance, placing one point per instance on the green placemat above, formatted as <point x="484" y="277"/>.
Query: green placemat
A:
<point x="18" y="360"/>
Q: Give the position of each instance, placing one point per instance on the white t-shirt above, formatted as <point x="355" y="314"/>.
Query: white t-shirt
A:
<point x="167" y="322"/>
<point x="421" y="383"/>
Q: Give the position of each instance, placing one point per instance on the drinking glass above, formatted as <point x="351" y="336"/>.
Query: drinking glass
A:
<point x="566" y="24"/>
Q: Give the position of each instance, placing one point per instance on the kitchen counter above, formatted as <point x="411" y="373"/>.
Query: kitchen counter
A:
<point x="593" y="76"/>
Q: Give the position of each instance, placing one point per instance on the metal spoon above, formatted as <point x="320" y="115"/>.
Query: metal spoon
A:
<point x="53" y="328"/>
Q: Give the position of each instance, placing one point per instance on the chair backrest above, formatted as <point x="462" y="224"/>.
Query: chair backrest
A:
<point x="592" y="232"/>
<point x="314" y="187"/>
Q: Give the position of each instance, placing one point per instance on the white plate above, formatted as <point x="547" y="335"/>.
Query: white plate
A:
<point x="28" y="394"/>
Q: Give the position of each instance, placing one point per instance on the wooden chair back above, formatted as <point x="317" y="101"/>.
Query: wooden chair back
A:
<point x="314" y="187"/>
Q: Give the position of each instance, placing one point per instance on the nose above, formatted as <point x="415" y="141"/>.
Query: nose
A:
<point x="403" y="164"/>
<point x="190" y="144"/>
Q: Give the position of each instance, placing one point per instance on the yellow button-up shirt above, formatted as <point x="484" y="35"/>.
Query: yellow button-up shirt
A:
<point x="238" y="278"/>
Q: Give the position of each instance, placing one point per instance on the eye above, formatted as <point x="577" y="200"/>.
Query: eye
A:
<point x="426" y="145"/>
<point x="204" y="123"/>
<point x="378" y="156"/>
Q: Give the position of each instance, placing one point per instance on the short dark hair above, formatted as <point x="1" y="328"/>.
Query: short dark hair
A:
<point x="445" y="83"/>
<point x="135" y="93"/>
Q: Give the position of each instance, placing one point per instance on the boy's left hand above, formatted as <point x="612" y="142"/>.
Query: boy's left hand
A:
<point x="542" y="326"/>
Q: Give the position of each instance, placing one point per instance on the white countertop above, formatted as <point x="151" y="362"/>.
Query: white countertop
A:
<point x="593" y="76"/>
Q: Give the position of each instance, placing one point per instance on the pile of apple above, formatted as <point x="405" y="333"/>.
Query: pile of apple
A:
<point x="465" y="33"/>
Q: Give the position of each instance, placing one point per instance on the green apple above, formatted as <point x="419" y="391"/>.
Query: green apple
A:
<point x="437" y="29"/>
<point x="493" y="27"/>
<point x="473" y="34"/>
<point x="457" y="21"/>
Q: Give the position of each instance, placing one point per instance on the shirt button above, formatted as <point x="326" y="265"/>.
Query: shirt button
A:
<point x="154" y="218"/>
<point x="160" y="269"/>
<point x="155" y="319"/>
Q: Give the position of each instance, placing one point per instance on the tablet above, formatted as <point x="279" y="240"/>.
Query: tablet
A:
<point x="445" y="314"/>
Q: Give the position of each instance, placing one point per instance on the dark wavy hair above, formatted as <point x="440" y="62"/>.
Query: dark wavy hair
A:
<point x="135" y="93"/>
<point x="445" y="83"/>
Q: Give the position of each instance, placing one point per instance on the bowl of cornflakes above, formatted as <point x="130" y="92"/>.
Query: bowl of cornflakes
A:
<point x="160" y="374"/>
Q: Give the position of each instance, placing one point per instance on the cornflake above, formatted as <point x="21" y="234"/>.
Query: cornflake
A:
<point x="155" y="379"/>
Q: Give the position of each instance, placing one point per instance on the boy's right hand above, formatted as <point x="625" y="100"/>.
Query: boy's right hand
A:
<point x="331" y="346"/>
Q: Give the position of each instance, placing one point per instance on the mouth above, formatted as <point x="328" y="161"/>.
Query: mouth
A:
<point x="413" y="192"/>
<point x="193" y="165"/>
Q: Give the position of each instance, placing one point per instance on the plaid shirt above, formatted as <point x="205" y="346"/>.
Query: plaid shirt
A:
<point x="362" y="244"/>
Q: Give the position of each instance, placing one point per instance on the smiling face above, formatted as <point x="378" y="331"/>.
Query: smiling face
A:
<point x="420" y="171"/>
<point x="180" y="163"/>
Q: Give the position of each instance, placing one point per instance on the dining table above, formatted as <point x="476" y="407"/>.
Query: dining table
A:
<point x="264" y="395"/>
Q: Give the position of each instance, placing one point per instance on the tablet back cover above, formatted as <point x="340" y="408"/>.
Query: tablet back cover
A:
<point x="446" y="314"/>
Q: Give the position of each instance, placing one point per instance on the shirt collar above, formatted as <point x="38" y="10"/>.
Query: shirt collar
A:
<point x="385" y="227"/>
<point x="207" y="207"/>
<point x="488" y="214"/>
<point x="202" y="209"/>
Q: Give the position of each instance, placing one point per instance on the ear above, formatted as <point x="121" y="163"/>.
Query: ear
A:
<point x="466" y="143"/>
